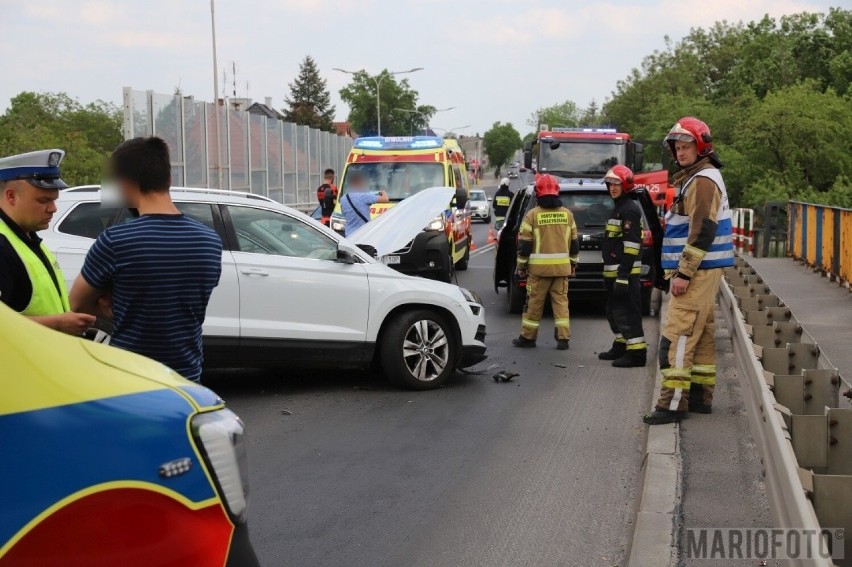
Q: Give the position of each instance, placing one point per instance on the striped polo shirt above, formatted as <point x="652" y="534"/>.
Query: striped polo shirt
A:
<point x="161" y="270"/>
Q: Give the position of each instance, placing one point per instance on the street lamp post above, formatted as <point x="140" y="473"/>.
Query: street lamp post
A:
<point x="423" y="114"/>
<point x="378" y="80"/>
<point x="218" y="161"/>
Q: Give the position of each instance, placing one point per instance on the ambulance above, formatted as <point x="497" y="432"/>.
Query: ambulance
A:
<point x="402" y="167"/>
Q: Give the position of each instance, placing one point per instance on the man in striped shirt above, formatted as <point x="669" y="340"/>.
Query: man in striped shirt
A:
<point x="156" y="273"/>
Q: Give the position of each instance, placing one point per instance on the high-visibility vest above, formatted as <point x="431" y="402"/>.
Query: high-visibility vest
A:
<point x="721" y="252"/>
<point x="47" y="298"/>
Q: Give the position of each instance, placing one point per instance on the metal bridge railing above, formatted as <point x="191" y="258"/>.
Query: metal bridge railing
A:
<point x="800" y="421"/>
<point x="821" y="236"/>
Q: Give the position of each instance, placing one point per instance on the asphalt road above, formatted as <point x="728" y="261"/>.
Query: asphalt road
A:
<point x="539" y="471"/>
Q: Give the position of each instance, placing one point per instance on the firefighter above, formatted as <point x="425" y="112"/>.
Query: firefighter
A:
<point x="696" y="248"/>
<point x="548" y="252"/>
<point x="327" y="196"/>
<point x="502" y="199"/>
<point x="621" y="250"/>
<point x="31" y="281"/>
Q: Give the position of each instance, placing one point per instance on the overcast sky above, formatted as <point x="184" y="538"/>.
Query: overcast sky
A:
<point x="491" y="59"/>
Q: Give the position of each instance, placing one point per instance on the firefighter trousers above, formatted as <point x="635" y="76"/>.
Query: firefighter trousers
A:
<point x="624" y="314"/>
<point x="688" y="346"/>
<point x="538" y="289"/>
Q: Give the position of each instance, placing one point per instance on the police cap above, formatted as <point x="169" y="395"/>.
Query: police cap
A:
<point x="40" y="169"/>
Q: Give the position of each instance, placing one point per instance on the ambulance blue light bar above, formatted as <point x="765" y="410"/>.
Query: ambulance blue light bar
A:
<point x="399" y="142"/>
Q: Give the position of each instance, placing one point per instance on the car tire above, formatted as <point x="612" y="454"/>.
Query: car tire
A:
<point x="646" y="300"/>
<point x="462" y="264"/>
<point x="447" y="271"/>
<point x="403" y="360"/>
<point x="488" y="219"/>
<point x="517" y="298"/>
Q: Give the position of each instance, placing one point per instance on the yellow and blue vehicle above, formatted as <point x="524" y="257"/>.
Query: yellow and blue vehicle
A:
<point x="112" y="459"/>
<point x="402" y="166"/>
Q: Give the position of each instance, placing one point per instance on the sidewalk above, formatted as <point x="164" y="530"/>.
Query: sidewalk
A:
<point x="823" y="308"/>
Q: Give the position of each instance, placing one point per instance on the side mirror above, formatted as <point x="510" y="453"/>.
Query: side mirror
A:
<point x="498" y="226"/>
<point x="345" y="256"/>
<point x="461" y="197"/>
<point x="635" y="156"/>
<point x="528" y="155"/>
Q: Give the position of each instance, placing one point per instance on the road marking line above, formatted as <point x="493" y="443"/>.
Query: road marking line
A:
<point x="485" y="248"/>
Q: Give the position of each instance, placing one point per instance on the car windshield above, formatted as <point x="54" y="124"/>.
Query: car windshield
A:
<point x="581" y="158"/>
<point x="591" y="209"/>
<point x="398" y="179"/>
<point x="478" y="196"/>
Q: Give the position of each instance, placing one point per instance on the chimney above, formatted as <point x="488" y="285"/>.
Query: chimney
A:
<point x="268" y="101"/>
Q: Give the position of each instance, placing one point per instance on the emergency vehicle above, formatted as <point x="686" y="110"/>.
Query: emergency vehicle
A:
<point x="110" y="458"/>
<point x="403" y="166"/>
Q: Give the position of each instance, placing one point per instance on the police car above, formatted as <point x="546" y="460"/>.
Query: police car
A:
<point x="294" y="293"/>
<point x="110" y="458"/>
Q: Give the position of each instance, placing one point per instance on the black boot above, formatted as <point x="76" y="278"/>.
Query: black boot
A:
<point x="562" y="344"/>
<point x="617" y="351"/>
<point x="523" y="342"/>
<point x="632" y="359"/>
<point x="661" y="417"/>
<point x="696" y="399"/>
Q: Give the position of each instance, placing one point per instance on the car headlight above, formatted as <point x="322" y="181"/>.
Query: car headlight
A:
<point x="471" y="296"/>
<point x="220" y="435"/>
<point x="436" y="224"/>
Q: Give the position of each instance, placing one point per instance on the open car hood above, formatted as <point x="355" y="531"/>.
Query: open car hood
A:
<point x="401" y="223"/>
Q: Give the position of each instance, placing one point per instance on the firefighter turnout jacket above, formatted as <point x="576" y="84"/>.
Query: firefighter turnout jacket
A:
<point x="622" y="244"/>
<point x="547" y="242"/>
<point x="502" y="200"/>
<point x="698" y="226"/>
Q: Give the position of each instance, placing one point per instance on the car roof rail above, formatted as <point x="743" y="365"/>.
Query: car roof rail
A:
<point x="200" y="190"/>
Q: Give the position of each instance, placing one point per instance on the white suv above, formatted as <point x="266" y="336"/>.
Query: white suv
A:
<point x="296" y="294"/>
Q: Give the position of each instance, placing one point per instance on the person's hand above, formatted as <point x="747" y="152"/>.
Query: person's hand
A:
<point x="521" y="273"/>
<point x="74" y="323"/>
<point x="679" y="286"/>
<point x="619" y="289"/>
<point x="573" y="270"/>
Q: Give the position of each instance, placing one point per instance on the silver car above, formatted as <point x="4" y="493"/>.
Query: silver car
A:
<point x="480" y="206"/>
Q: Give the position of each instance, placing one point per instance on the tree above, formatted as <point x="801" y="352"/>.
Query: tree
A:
<point x="401" y="113"/>
<point x="500" y="143"/>
<point x="87" y="133"/>
<point x="565" y="114"/>
<point x="309" y="102"/>
<point x="776" y="94"/>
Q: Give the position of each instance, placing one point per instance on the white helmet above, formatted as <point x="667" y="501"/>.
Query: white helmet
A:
<point x="504" y="181"/>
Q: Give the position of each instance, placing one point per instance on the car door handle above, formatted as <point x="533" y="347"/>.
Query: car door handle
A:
<point x="254" y="272"/>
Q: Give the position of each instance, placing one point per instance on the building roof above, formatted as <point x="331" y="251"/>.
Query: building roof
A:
<point x="265" y="110"/>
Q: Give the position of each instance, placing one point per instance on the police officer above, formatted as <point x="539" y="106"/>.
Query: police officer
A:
<point x="502" y="199"/>
<point x="30" y="279"/>
<point x="621" y="250"/>
<point x="696" y="248"/>
<point x="548" y="252"/>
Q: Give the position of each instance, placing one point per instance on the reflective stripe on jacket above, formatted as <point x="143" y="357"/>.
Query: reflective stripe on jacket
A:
<point x="718" y="253"/>
<point x="548" y="243"/>
<point x="47" y="298"/>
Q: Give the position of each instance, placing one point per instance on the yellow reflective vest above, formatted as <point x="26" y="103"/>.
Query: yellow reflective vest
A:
<point x="47" y="298"/>
<point x="547" y="242"/>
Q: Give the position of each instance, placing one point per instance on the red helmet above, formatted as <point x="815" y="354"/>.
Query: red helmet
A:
<point x="622" y="175"/>
<point x="546" y="185"/>
<point x="689" y="129"/>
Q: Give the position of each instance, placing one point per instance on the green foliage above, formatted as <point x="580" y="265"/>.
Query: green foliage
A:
<point x="776" y="94"/>
<point x="396" y="97"/>
<point x="309" y="102"/>
<point x="565" y="114"/>
<point x="500" y="144"/>
<point x="87" y="133"/>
